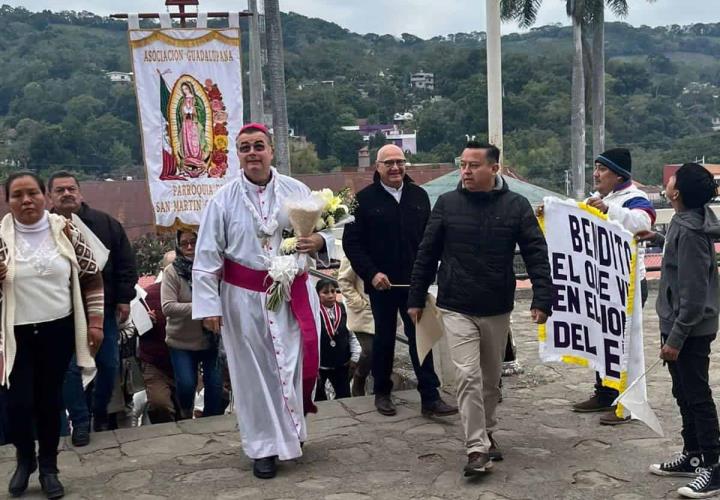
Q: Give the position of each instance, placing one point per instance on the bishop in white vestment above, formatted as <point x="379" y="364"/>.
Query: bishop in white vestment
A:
<point x="269" y="353"/>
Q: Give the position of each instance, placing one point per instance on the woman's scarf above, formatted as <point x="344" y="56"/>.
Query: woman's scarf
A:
<point x="182" y="264"/>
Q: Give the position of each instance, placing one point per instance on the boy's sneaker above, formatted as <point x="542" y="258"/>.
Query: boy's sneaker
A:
<point x="707" y="484"/>
<point x="683" y="465"/>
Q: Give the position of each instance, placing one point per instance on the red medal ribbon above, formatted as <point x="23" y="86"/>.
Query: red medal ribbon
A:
<point x="331" y="327"/>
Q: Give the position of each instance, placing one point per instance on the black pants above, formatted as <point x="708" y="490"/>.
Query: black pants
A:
<point x="385" y="307"/>
<point x="607" y="395"/>
<point x="35" y="394"/>
<point x="340" y="380"/>
<point x="692" y="392"/>
<point x="509" y="349"/>
<point x="365" y="362"/>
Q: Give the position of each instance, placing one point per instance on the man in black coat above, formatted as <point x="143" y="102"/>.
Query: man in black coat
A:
<point x="473" y="232"/>
<point x="119" y="277"/>
<point x="381" y="245"/>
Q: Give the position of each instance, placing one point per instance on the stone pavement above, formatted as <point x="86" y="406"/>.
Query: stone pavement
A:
<point x="355" y="453"/>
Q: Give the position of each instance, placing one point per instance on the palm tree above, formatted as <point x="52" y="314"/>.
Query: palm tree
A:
<point x="576" y="9"/>
<point x="276" y="72"/>
<point x="255" y="52"/>
<point x="589" y="14"/>
<point x="595" y="19"/>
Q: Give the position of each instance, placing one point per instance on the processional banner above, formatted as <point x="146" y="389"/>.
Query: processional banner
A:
<point x="593" y="263"/>
<point x="189" y="93"/>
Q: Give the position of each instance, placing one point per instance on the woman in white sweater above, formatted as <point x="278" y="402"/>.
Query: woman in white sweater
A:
<point x="52" y="308"/>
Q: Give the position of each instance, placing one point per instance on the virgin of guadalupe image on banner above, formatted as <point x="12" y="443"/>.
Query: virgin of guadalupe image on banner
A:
<point x="189" y="93"/>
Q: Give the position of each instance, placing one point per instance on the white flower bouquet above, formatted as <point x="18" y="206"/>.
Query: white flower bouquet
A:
<point x="303" y="215"/>
<point x="335" y="211"/>
<point x="282" y="271"/>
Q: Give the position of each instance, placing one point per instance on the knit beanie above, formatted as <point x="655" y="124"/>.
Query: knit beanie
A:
<point x="618" y="160"/>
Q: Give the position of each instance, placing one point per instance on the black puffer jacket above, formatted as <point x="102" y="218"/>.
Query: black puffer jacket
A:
<point x="120" y="272"/>
<point x="474" y="235"/>
<point x="386" y="234"/>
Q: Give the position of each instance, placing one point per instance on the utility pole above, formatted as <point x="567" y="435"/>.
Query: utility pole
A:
<point x="257" y="112"/>
<point x="494" y="75"/>
<point x="276" y="72"/>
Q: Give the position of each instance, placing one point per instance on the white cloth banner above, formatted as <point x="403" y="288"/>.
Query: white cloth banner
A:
<point x="592" y="262"/>
<point x="189" y="91"/>
<point x="597" y="313"/>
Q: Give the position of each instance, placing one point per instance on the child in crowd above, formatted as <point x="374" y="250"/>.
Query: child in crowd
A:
<point x="339" y="348"/>
<point x="687" y="306"/>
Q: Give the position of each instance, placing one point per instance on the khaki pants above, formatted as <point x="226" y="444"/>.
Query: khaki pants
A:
<point x="477" y="346"/>
<point x="160" y="394"/>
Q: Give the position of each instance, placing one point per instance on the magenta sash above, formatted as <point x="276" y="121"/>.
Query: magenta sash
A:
<point x="258" y="281"/>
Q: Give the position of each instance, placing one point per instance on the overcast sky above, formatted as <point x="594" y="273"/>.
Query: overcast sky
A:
<point x="424" y="18"/>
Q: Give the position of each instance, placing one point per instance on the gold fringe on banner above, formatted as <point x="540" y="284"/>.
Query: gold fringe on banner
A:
<point x="195" y="42"/>
<point x="178" y="225"/>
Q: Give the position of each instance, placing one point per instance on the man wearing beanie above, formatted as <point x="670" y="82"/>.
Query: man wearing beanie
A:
<point x="617" y="196"/>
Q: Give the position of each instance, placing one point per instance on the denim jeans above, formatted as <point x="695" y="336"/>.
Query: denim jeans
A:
<point x="185" y="366"/>
<point x="107" y="362"/>
<point x="75" y="400"/>
<point x="385" y="307"/>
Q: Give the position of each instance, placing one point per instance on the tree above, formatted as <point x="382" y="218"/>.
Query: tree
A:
<point x="575" y="9"/>
<point x="345" y="146"/>
<point x="304" y="158"/>
<point x="276" y="71"/>
<point x="586" y="63"/>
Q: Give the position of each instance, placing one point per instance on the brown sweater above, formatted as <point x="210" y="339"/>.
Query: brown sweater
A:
<point x="182" y="332"/>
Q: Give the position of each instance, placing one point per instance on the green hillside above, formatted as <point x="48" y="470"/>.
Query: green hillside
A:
<point x="59" y="110"/>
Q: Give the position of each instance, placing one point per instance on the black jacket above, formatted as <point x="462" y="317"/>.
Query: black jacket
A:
<point x="386" y="234"/>
<point x="473" y="235"/>
<point x="120" y="273"/>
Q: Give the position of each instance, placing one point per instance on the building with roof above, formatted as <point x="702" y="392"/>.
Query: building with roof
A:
<point x="129" y="201"/>
<point x="449" y="181"/>
<point x="407" y="141"/>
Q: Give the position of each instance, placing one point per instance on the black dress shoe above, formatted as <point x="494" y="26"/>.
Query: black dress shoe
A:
<point x="81" y="435"/>
<point x="100" y="423"/>
<point x="438" y="408"/>
<point x="51" y="485"/>
<point x="21" y="476"/>
<point x="384" y="405"/>
<point x="265" y="468"/>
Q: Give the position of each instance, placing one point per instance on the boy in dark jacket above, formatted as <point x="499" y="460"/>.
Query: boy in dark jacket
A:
<point x="339" y="348"/>
<point x="687" y="306"/>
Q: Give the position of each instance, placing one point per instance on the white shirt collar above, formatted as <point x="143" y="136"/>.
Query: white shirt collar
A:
<point x="396" y="193"/>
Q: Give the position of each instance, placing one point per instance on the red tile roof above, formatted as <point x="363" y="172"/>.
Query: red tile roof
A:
<point x="129" y="201"/>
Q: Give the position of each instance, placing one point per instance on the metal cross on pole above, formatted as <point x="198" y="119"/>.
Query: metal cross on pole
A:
<point x="181" y="4"/>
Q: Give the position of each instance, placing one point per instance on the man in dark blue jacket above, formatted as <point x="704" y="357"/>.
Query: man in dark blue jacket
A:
<point x="473" y="232"/>
<point x="381" y="245"/>
<point x="119" y="277"/>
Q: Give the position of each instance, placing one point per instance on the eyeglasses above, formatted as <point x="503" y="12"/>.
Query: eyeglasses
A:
<point x="258" y="147"/>
<point x="188" y="243"/>
<point x="390" y="163"/>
